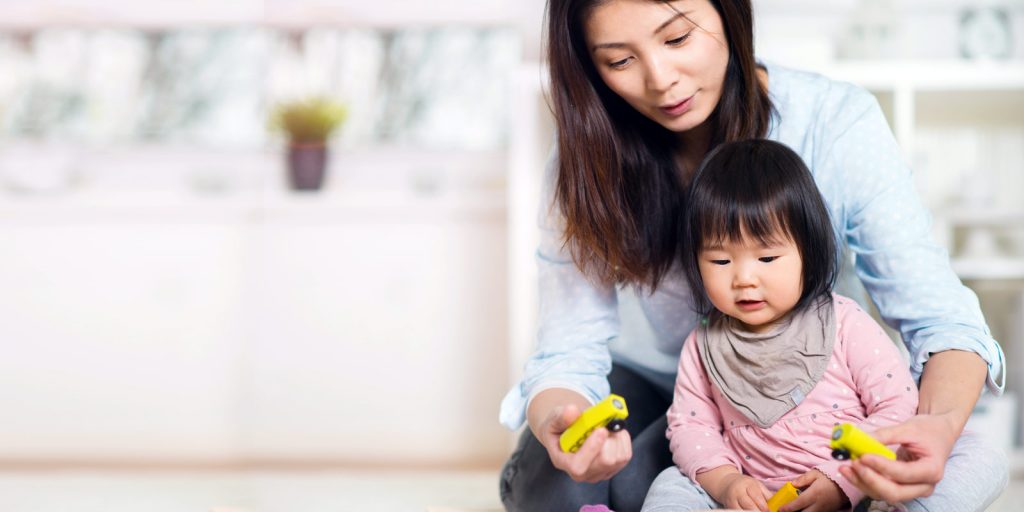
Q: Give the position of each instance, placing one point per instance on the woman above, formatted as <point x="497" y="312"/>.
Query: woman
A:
<point x="642" y="90"/>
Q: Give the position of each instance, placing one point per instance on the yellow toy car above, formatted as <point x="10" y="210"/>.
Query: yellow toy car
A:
<point x="786" y="494"/>
<point x="610" y="413"/>
<point x="850" y="442"/>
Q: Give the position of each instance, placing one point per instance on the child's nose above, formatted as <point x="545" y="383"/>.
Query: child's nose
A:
<point x="744" y="277"/>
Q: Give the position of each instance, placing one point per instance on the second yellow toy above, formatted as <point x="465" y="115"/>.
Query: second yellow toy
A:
<point x="784" y="495"/>
<point x="610" y="412"/>
<point x="850" y="442"/>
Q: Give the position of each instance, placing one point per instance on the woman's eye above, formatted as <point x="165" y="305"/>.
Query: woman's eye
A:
<point x="768" y="259"/>
<point x="679" y="40"/>
<point x="619" y="64"/>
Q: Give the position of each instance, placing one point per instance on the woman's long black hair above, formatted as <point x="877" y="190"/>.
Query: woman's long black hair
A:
<point x="762" y="189"/>
<point x="618" y="183"/>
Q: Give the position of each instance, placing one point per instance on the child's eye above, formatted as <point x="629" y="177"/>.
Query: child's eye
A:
<point x="720" y="262"/>
<point x="768" y="259"/>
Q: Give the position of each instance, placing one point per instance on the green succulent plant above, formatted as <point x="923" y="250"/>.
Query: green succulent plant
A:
<point x="309" y="121"/>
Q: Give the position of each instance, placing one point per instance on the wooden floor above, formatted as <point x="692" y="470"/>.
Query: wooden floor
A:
<point x="274" y="491"/>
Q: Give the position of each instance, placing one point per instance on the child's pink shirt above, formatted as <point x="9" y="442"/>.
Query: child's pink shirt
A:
<point x="867" y="383"/>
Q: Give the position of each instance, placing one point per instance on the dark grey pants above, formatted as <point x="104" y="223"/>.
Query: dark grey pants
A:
<point x="529" y="483"/>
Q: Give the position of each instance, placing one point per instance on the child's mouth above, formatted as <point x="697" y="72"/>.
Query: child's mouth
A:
<point x="750" y="305"/>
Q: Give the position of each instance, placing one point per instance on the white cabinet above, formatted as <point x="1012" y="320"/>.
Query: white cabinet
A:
<point x="118" y="339"/>
<point x="377" y="338"/>
<point x="325" y="329"/>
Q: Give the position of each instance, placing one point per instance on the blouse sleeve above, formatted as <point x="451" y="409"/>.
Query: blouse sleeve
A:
<point x="577" y="319"/>
<point x="907" y="274"/>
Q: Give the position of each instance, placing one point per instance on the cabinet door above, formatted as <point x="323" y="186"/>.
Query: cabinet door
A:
<point x="118" y="340"/>
<point x="377" y="340"/>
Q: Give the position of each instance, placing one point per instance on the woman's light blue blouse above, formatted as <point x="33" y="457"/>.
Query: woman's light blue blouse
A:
<point x="840" y="132"/>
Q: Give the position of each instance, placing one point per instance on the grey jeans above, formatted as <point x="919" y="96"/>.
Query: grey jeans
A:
<point x="530" y="483"/>
<point x="975" y="475"/>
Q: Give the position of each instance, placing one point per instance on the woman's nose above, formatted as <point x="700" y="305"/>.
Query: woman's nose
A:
<point x="661" y="75"/>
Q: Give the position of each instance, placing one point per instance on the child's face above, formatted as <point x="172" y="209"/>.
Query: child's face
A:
<point x="753" y="282"/>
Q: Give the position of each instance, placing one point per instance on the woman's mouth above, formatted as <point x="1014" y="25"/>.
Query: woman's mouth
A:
<point x="678" y="109"/>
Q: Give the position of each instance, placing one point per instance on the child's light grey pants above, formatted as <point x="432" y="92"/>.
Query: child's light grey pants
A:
<point x="975" y="475"/>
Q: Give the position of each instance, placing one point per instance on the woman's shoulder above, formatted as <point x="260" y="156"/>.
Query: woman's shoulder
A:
<point x="798" y="93"/>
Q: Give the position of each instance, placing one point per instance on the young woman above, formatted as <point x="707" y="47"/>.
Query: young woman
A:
<point x="642" y="90"/>
<point x="777" y="359"/>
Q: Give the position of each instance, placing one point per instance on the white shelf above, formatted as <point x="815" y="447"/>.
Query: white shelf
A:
<point x="930" y="75"/>
<point x="984" y="217"/>
<point x="977" y="269"/>
<point x="327" y="206"/>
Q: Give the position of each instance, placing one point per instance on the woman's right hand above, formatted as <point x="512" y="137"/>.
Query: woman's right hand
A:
<point x="602" y="455"/>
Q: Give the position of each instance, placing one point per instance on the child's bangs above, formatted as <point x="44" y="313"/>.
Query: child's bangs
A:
<point x="733" y="222"/>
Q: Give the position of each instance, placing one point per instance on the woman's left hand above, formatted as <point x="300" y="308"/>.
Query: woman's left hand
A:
<point x="925" y="443"/>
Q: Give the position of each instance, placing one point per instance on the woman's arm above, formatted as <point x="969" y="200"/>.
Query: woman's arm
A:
<point x="576" y="320"/>
<point x="569" y="369"/>
<point x="910" y="280"/>
<point x="950" y="386"/>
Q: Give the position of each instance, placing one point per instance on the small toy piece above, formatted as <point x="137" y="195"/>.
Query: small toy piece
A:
<point x="786" y="494"/>
<point x="850" y="442"/>
<point x="610" y="413"/>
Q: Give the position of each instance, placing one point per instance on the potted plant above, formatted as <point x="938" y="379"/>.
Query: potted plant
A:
<point x="308" y="124"/>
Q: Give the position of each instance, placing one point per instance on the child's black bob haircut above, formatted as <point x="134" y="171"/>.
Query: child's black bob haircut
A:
<point x="763" y="189"/>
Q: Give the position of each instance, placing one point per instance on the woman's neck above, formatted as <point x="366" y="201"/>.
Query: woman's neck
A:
<point x="694" y="143"/>
<point x="693" y="146"/>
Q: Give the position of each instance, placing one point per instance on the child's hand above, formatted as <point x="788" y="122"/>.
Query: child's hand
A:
<point x="818" y="494"/>
<point x="743" y="492"/>
<point x="602" y="455"/>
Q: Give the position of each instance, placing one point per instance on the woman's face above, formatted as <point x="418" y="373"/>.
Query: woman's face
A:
<point x="666" y="60"/>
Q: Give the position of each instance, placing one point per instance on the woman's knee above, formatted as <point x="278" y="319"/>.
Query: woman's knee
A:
<point x="986" y="462"/>
<point x="975" y="475"/>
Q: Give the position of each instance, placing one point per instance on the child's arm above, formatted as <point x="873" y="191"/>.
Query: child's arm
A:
<point x="880" y="378"/>
<point x="695" y="424"/>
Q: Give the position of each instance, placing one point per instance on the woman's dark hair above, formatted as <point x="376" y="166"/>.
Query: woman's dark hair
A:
<point x="618" y="183"/>
<point x="763" y="189"/>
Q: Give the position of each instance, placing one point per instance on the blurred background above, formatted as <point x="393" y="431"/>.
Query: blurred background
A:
<point x="183" y="328"/>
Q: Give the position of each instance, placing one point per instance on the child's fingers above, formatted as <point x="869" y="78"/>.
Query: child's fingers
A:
<point x="804" y="500"/>
<point x="804" y="480"/>
<point x="756" y="498"/>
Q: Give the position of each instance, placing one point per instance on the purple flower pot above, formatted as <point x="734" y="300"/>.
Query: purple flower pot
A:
<point x="307" y="164"/>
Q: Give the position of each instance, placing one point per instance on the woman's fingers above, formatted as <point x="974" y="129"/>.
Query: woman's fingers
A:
<point x="880" y="487"/>
<point x="926" y="470"/>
